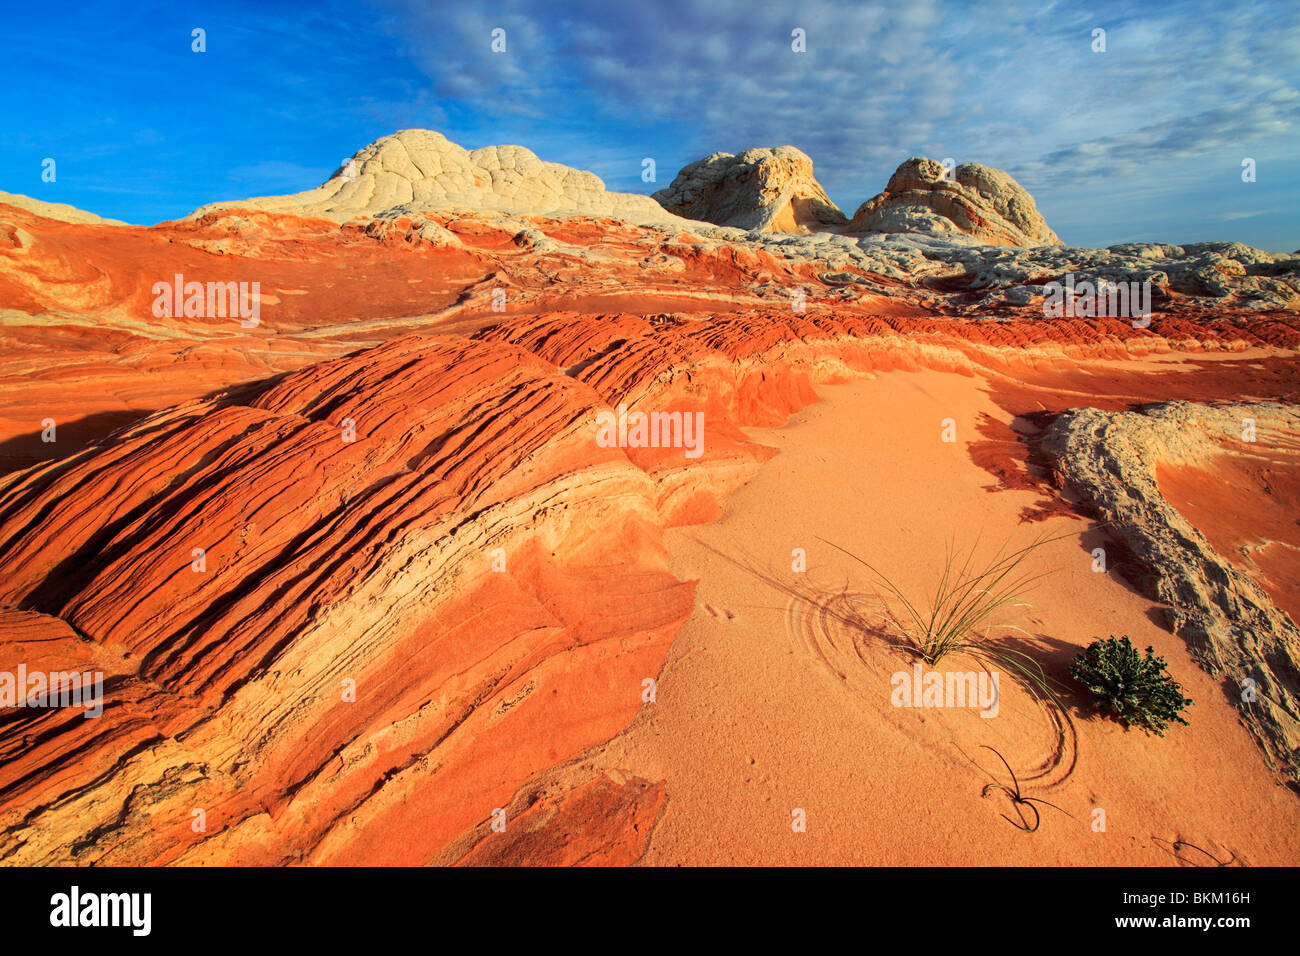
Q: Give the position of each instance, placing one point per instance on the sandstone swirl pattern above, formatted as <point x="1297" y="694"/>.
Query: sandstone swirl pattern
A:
<point x="493" y="581"/>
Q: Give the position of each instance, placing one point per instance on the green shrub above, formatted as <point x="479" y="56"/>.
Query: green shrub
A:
<point x="1130" y="687"/>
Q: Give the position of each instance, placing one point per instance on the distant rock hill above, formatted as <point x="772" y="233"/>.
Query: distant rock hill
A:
<point x="760" y="190"/>
<point x="764" y="190"/>
<point x="976" y="237"/>
<point x="774" y="190"/>
<point x="58" y="211"/>
<point x="979" y="201"/>
<point x="424" y="168"/>
<point x="768" y="190"/>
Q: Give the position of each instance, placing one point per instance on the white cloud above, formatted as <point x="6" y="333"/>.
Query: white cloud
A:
<point x="1012" y="85"/>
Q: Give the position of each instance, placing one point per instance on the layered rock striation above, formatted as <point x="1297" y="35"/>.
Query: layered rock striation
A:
<point x="363" y="574"/>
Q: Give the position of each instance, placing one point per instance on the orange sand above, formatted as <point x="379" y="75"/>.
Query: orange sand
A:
<point x="762" y="709"/>
<point x="1246" y="505"/>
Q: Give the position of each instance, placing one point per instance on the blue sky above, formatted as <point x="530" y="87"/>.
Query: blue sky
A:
<point x="1142" y="142"/>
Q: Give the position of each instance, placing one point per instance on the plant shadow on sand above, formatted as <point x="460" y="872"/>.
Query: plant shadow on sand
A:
<point x="1020" y="803"/>
<point x="853" y="632"/>
<point x="1189" y="854"/>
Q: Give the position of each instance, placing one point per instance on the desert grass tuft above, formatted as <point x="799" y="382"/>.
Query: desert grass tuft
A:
<point x="971" y="599"/>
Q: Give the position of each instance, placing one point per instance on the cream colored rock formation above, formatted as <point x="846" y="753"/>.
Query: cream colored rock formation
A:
<point x="422" y="168"/>
<point x="59" y="211"/>
<point x="768" y="190"/>
<point x="978" y="201"/>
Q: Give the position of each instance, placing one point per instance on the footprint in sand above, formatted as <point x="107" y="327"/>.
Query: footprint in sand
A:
<point x="720" y="612"/>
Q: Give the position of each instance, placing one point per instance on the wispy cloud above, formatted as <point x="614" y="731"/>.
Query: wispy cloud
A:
<point x="1018" y="86"/>
<point x="1182" y="92"/>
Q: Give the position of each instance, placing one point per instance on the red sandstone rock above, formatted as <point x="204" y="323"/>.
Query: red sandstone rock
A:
<point x="490" y="578"/>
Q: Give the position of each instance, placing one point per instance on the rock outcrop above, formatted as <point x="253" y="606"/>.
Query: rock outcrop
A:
<point x="349" y="611"/>
<point x="85" y="349"/>
<point x="424" y="586"/>
<point x="767" y="190"/>
<point x="58" y="211"/>
<point x="424" y="169"/>
<point x="1232" y="624"/>
<point x="980" y="202"/>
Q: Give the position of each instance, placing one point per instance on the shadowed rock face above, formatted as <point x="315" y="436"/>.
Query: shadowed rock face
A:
<point x="983" y="203"/>
<point x="767" y="190"/>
